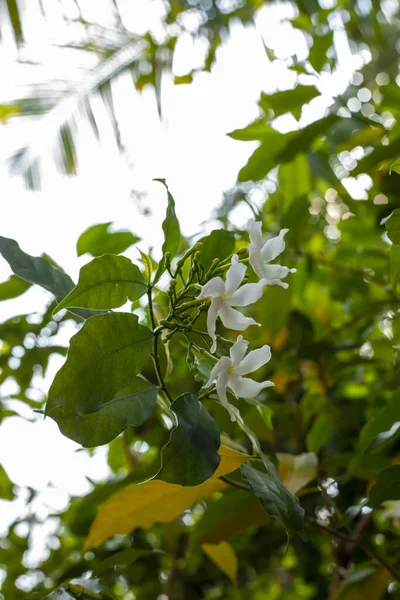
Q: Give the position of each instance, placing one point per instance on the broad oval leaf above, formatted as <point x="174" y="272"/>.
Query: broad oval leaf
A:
<point x="381" y="423"/>
<point x="98" y="240"/>
<point x="191" y="455"/>
<point x="219" y="244"/>
<point x="156" y="501"/>
<point x="297" y="471"/>
<point x="274" y="497"/>
<point x="35" y="269"/>
<point x="95" y="394"/>
<point x="106" y="282"/>
<point x="224" y="557"/>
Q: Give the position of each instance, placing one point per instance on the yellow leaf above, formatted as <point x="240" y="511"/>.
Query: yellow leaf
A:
<point x="297" y="471"/>
<point x="155" y="501"/>
<point x="224" y="557"/>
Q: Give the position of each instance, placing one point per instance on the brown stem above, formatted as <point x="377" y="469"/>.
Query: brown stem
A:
<point x="355" y="542"/>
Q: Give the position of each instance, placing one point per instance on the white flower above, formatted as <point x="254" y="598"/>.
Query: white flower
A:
<point x="226" y="294"/>
<point x="261" y="254"/>
<point x="229" y="370"/>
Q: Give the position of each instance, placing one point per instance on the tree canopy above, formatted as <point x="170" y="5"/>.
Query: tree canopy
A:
<point x="246" y="384"/>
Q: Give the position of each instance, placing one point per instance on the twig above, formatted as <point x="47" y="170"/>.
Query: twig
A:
<point x="236" y="484"/>
<point x="155" y="357"/>
<point x="356" y="542"/>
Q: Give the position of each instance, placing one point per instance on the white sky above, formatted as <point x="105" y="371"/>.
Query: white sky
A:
<point x="191" y="150"/>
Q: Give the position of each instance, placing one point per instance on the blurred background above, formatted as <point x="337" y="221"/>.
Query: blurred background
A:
<point x="99" y="98"/>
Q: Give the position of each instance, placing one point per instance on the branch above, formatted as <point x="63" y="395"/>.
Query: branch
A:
<point x="355" y="542"/>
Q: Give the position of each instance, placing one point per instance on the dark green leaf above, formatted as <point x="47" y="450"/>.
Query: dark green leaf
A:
<point x="172" y="233"/>
<point x="394" y="266"/>
<point x="275" y="498"/>
<point x="95" y="394"/>
<point x="320" y="47"/>
<point x="39" y="271"/>
<point x="378" y="156"/>
<point x="98" y="240"/>
<point x="289" y="100"/>
<point x="381" y="423"/>
<point x="219" y="244"/>
<point x="386" y="487"/>
<point x="13" y="287"/>
<point x="106" y="282"/>
<point x="320" y="433"/>
<point x="395" y="166"/>
<point x="302" y="140"/>
<point x="191" y="455"/>
<point x="393" y="226"/>
<point x="124" y="558"/>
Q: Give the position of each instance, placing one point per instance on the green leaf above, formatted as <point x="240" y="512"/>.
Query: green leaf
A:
<point x="95" y="394"/>
<point x="393" y="226"/>
<point x="106" y="282"/>
<point x="258" y="130"/>
<point x="219" y="244"/>
<point x="379" y="155"/>
<point x="124" y="558"/>
<point x="98" y="240"/>
<point x="395" y="266"/>
<point x="15" y="18"/>
<point x="6" y="486"/>
<point x="395" y="166"/>
<point x="39" y="271"/>
<point x="382" y="422"/>
<point x="191" y="455"/>
<point x="288" y="101"/>
<point x="13" y="287"/>
<point x="148" y="265"/>
<point x="172" y="233"/>
<point x="274" y="497"/>
<point x="386" y="487"/>
<point x="262" y="161"/>
<point x="227" y="516"/>
<point x="320" y="433"/>
<point x="320" y="47"/>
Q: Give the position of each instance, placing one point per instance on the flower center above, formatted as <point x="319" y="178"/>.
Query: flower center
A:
<point x="231" y="369"/>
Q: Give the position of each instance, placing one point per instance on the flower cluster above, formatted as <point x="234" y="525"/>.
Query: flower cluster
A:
<point x="224" y="295"/>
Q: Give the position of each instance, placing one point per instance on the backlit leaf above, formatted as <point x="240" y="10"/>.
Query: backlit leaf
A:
<point x="156" y="501"/>
<point x="172" y="233"/>
<point x="95" y="394"/>
<point x="297" y="471"/>
<point x="393" y="226"/>
<point x="39" y="271"/>
<point x="219" y="244"/>
<point x="191" y="455"/>
<point x="13" y="287"/>
<point x="289" y="100"/>
<point x="224" y="557"/>
<point x="106" y="282"/>
<point x="98" y="240"/>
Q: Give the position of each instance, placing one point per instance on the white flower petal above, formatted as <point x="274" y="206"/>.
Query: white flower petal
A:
<point x="243" y="387"/>
<point x="254" y="360"/>
<point x="233" y="319"/>
<point x="272" y="272"/>
<point x="214" y="288"/>
<point x="234" y="276"/>
<point x="247" y="294"/>
<point x="221" y="391"/>
<point x="212" y="321"/>
<point x="222" y="365"/>
<point x="273" y="247"/>
<point x="254" y="228"/>
<point x="238" y="350"/>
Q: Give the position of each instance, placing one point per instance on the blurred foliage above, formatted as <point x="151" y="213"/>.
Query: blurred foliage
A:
<point x="334" y="334"/>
